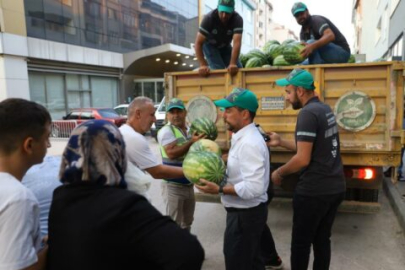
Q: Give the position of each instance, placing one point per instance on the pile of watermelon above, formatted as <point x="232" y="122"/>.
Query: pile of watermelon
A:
<point x="204" y="161"/>
<point x="274" y="53"/>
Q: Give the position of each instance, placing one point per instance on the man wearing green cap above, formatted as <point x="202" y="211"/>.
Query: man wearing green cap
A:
<point x="324" y="43"/>
<point x="321" y="186"/>
<point x="178" y="193"/>
<point x="218" y="29"/>
<point x="244" y="195"/>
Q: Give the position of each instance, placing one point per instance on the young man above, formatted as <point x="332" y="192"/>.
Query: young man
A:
<point x="218" y="29"/>
<point x="141" y="116"/>
<point x="178" y="194"/>
<point x="321" y="187"/>
<point x="324" y="43"/>
<point x="24" y="139"/>
<point x="245" y="194"/>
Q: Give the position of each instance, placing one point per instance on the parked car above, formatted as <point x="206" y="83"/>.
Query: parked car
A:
<point x="122" y="110"/>
<point x="160" y="115"/>
<point x="63" y="128"/>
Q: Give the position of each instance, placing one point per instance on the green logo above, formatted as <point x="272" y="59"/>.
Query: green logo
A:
<point x="355" y="111"/>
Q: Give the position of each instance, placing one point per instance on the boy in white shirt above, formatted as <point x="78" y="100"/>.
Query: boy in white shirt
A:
<point x="24" y="139"/>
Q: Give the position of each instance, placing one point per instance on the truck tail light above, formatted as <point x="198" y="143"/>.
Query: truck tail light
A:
<point x="361" y="173"/>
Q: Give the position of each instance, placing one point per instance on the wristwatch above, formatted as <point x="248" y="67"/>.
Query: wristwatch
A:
<point x="221" y="190"/>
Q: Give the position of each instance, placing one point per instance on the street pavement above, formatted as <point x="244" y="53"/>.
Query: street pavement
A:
<point x="359" y="241"/>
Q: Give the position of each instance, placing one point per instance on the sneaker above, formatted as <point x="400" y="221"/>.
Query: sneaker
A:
<point x="275" y="264"/>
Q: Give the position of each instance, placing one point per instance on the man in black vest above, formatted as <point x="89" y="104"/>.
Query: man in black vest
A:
<point x="218" y="29"/>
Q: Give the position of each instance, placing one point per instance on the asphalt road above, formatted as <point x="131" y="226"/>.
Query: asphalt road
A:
<point x="359" y="241"/>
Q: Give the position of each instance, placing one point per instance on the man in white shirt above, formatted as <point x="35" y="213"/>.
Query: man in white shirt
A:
<point x="244" y="195"/>
<point x="141" y="116"/>
<point x="24" y="138"/>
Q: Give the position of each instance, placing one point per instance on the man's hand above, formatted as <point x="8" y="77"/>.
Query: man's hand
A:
<point x="204" y="71"/>
<point x="195" y="137"/>
<point x="275" y="139"/>
<point x="305" y="52"/>
<point x="233" y="69"/>
<point x="207" y="187"/>
<point x="276" y="178"/>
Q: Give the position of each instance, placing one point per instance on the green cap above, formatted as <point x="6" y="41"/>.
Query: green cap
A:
<point x="241" y="98"/>
<point x="175" y="103"/>
<point x="298" y="77"/>
<point x="298" y="7"/>
<point x="227" y="6"/>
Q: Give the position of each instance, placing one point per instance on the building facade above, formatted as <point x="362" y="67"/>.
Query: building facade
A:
<point x="66" y="54"/>
<point x="264" y="21"/>
<point x="379" y="28"/>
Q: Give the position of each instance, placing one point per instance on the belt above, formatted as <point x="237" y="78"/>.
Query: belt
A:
<point x="232" y="209"/>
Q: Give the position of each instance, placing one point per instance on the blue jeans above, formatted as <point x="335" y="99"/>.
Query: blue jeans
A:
<point x="328" y="54"/>
<point x="218" y="58"/>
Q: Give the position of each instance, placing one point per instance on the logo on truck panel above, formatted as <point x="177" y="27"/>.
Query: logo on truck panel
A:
<point x="355" y="111"/>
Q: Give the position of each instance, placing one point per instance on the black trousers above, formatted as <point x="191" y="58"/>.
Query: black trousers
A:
<point x="244" y="228"/>
<point x="312" y="224"/>
<point x="268" y="247"/>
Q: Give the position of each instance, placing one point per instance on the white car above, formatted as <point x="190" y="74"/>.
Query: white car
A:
<point x="160" y="115"/>
<point x="122" y="110"/>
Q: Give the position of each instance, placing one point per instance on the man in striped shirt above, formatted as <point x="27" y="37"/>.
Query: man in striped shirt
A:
<point x="218" y="29"/>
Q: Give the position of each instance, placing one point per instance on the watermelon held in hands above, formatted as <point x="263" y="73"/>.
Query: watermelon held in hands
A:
<point x="204" y="126"/>
<point x="205" y="145"/>
<point x="204" y="164"/>
<point x="292" y="53"/>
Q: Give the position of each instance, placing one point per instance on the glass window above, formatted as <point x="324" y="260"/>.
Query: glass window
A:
<point x="48" y="90"/>
<point x="72" y="116"/>
<point x="104" y="92"/>
<point x="122" y="26"/>
<point x="149" y="90"/>
<point x="160" y="91"/>
<point x="108" y="113"/>
<point x="138" y="89"/>
<point x="37" y="88"/>
<point x="55" y="96"/>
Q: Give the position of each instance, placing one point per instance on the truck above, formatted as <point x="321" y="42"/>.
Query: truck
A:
<point x="368" y="102"/>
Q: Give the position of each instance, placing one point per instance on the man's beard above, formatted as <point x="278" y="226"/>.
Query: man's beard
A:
<point x="296" y="105"/>
<point x="231" y="128"/>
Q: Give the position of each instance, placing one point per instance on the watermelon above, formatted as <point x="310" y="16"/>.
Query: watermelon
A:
<point x="280" y="61"/>
<point x="204" y="164"/>
<point x="287" y="41"/>
<point x="266" y="66"/>
<point x="292" y="54"/>
<point x="205" y="145"/>
<point x="255" y="53"/>
<point x="269" y="43"/>
<point x="243" y="59"/>
<point x="352" y="59"/>
<point x="256" y="62"/>
<point x="273" y="51"/>
<point x="205" y="126"/>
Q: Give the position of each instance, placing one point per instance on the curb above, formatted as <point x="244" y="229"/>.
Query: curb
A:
<point x="397" y="201"/>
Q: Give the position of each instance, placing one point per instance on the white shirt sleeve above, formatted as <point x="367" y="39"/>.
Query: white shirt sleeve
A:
<point x="252" y="169"/>
<point x="20" y="235"/>
<point x="166" y="136"/>
<point x="138" y="150"/>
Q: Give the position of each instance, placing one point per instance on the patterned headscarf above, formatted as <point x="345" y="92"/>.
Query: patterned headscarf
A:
<point x="95" y="153"/>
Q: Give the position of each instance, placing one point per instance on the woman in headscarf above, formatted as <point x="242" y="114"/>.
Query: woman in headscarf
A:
<point x="96" y="223"/>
